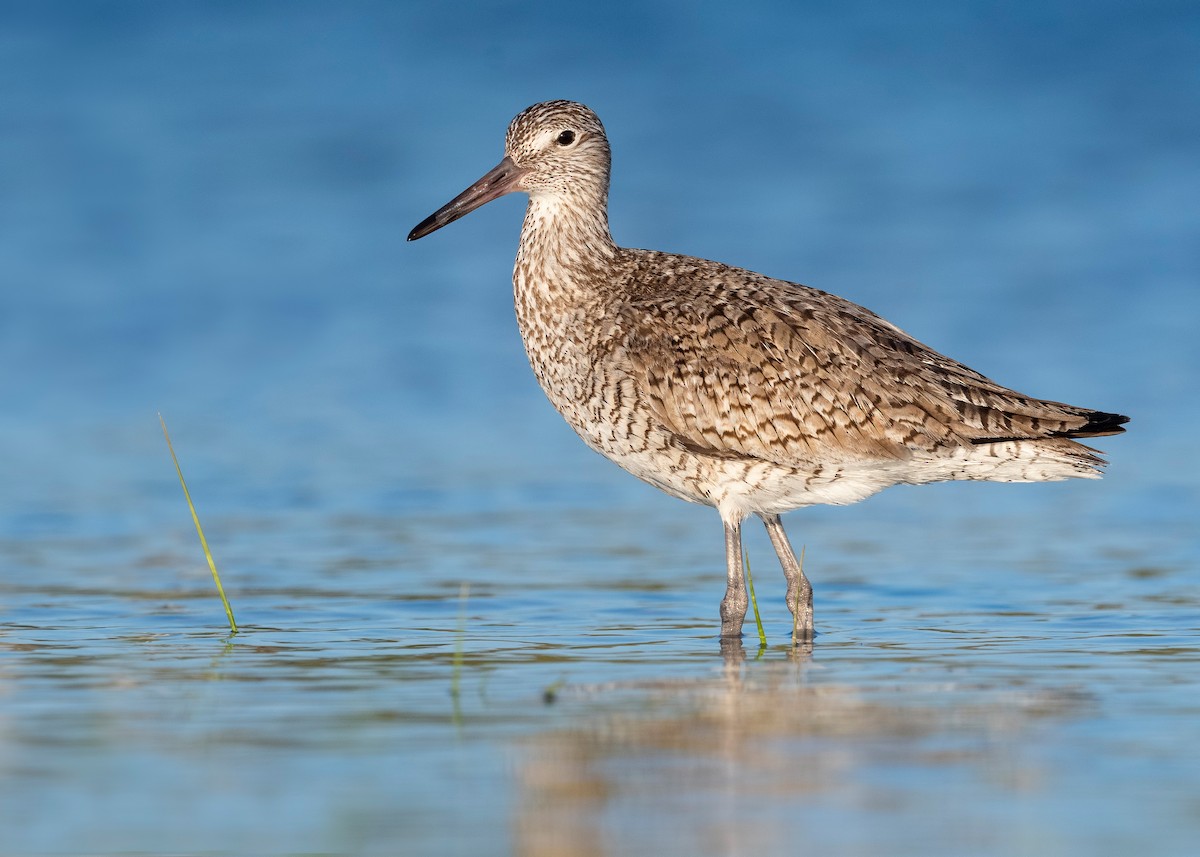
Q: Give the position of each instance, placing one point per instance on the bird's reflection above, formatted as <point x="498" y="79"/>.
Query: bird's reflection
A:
<point x="720" y="766"/>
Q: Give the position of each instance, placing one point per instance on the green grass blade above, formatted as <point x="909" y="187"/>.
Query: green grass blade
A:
<point x="762" y="636"/>
<point x="212" y="565"/>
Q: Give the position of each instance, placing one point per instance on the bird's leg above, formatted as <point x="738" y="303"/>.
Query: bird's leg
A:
<point x="733" y="605"/>
<point x="799" y="590"/>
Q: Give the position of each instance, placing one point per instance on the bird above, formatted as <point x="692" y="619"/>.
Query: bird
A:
<point x="728" y="388"/>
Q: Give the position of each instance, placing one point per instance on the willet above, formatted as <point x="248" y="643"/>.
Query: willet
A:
<point x="724" y="387"/>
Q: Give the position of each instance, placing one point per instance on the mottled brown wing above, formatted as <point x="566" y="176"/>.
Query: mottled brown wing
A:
<point x="790" y="374"/>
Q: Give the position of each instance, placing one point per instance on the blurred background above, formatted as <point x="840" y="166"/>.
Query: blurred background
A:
<point x="203" y="209"/>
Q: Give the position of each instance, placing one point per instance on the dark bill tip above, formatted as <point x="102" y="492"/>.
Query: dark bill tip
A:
<point x="499" y="180"/>
<point x="429" y="224"/>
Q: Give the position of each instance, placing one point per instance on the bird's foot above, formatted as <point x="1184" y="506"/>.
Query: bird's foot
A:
<point x="800" y="602"/>
<point x="733" y="613"/>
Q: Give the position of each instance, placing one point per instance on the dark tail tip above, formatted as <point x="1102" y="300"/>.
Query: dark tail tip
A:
<point x="1098" y="424"/>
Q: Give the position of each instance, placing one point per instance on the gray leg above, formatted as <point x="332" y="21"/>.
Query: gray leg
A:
<point x="799" y="590"/>
<point x="733" y="606"/>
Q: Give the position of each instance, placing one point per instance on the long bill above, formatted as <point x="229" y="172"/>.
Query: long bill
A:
<point x="499" y="180"/>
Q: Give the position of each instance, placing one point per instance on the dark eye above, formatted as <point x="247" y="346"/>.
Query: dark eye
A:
<point x="566" y="138"/>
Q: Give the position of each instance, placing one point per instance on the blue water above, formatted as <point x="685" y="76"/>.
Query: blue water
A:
<point x="202" y="213"/>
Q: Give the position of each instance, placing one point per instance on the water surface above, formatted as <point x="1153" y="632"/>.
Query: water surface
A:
<point x="462" y="632"/>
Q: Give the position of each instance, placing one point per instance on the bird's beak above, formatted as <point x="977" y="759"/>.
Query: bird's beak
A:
<point x="501" y="179"/>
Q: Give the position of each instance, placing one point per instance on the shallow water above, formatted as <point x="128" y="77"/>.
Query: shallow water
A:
<point x="1030" y="702"/>
<point x="462" y="632"/>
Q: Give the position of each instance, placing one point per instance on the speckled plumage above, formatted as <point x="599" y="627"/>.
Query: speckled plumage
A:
<point x="724" y="387"/>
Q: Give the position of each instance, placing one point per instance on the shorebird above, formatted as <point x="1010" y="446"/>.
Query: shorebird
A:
<point x="736" y="390"/>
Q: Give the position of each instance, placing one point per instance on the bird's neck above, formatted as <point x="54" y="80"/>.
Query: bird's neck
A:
<point x="561" y="282"/>
<point x="565" y="245"/>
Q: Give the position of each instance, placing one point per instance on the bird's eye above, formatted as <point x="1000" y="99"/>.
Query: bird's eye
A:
<point x="566" y="138"/>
